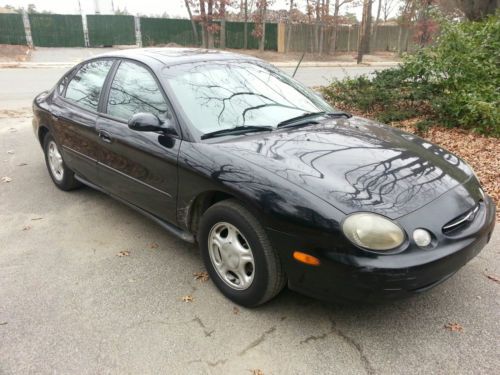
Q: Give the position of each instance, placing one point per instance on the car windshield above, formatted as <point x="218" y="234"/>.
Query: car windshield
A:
<point x="226" y="94"/>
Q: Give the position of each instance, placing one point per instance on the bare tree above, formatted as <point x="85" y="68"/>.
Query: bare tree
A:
<point x="365" y="29"/>
<point x="387" y="8"/>
<point x="336" y="9"/>
<point x="375" y="25"/>
<point x="260" y="22"/>
<point x="289" y="27"/>
<point x="193" y="24"/>
<point x="245" y="26"/>
<point x="475" y="10"/>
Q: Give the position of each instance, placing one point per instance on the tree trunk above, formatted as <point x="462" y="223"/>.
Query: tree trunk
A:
<point x="375" y="26"/>
<point x="193" y="24"/>
<point x="263" y="37"/>
<point x="289" y="27"/>
<point x="245" y="27"/>
<point x="365" y="28"/>
<point x="203" y="16"/>
<point x="222" y="13"/>
<point x="209" y="27"/>
<point x="476" y="10"/>
<point x="333" y="45"/>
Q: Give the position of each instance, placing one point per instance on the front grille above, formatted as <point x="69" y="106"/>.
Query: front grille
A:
<point x="461" y="222"/>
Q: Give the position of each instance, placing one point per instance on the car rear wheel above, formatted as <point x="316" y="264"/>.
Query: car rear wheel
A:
<point x="238" y="255"/>
<point x="62" y="176"/>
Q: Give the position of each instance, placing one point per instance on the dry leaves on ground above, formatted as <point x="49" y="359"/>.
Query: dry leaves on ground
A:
<point x="236" y="310"/>
<point x="37" y="218"/>
<point x="22" y="164"/>
<point x="123" y="253"/>
<point x="257" y="372"/>
<point x="454" y="327"/>
<point x="188" y="298"/>
<point x="201" y="276"/>
<point x="481" y="152"/>
<point x="154" y="245"/>
<point x="27" y="227"/>
<point x="6" y="179"/>
<point x="10" y="152"/>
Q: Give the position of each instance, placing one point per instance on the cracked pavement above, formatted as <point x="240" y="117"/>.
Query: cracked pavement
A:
<point x="69" y="304"/>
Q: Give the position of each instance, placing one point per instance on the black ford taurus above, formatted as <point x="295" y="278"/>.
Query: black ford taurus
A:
<point x="276" y="186"/>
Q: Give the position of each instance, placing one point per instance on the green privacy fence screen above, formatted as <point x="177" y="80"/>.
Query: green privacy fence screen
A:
<point x="110" y="30"/>
<point x="12" y="29"/>
<point x="56" y="30"/>
<point x="156" y="31"/>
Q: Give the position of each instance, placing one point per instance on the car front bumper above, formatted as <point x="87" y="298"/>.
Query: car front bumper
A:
<point x="370" y="278"/>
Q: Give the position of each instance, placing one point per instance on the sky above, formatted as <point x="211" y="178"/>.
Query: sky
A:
<point x="174" y="8"/>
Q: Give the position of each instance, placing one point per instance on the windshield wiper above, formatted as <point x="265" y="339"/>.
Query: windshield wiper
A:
<point x="236" y="130"/>
<point x="304" y="119"/>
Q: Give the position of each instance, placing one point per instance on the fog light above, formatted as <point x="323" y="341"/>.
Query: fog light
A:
<point x="422" y="237"/>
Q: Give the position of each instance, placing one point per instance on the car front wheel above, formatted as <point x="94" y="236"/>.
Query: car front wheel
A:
<point x="62" y="176"/>
<point x="238" y="255"/>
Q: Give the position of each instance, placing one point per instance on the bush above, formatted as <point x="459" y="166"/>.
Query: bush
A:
<point x="455" y="82"/>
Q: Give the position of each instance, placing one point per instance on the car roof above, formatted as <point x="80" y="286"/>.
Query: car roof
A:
<point x="174" y="56"/>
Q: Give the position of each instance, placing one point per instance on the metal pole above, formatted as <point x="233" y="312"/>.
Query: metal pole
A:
<point x="27" y="29"/>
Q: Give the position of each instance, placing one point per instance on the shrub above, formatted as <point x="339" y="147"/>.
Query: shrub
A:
<point x="455" y="82"/>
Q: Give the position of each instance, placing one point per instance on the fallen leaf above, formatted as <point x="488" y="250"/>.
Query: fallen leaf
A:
<point x="257" y="372"/>
<point x="154" y="245"/>
<point x="188" y="298"/>
<point x="6" y="179"/>
<point x="454" y="327"/>
<point x="236" y="311"/>
<point x="123" y="253"/>
<point x="27" y="227"/>
<point x="202" y="276"/>
<point x="22" y="164"/>
<point x="493" y="278"/>
<point x="10" y="152"/>
<point x="37" y="218"/>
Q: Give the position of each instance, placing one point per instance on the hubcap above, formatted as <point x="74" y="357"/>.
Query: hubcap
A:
<point x="55" y="161"/>
<point x="231" y="255"/>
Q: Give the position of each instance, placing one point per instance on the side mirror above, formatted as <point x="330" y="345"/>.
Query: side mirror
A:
<point x="148" y="122"/>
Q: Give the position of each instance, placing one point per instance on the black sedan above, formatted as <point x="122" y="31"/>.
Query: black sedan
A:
<point x="276" y="186"/>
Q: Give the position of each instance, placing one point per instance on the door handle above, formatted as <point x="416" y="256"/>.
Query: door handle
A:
<point x="105" y="136"/>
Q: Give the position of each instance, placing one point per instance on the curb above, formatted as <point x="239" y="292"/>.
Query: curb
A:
<point x="278" y="64"/>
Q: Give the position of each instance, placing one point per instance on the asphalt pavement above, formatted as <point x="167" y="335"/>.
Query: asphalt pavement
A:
<point x="88" y="286"/>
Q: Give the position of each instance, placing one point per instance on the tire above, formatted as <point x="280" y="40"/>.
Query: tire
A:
<point x="238" y="255"/>
<point x="61" y="175"/>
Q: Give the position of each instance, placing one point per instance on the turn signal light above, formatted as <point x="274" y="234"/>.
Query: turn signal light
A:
<point x="306" y="258"/>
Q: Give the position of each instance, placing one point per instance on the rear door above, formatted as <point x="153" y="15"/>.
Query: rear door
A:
<point x="139" y="167"/>
<point x="74" y="115"/>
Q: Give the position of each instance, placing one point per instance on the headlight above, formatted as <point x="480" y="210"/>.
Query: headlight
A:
<point x="373" y="231"/>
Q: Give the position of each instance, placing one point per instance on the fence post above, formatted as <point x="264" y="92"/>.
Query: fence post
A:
<point x="281" y="37"/>
<point x="27" y="29"/>
<point x="138" y="34"/>
<point x="85" y="31"/>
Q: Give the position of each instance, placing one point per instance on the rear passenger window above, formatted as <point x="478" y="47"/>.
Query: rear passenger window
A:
<point x="85" y="87"/>
<point x="135" y="90"/>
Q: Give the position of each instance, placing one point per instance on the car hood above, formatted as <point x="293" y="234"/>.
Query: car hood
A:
<point x="356" y="164"/>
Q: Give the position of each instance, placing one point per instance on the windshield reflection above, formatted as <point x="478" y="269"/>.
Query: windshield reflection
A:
<point x="226" y="94"/>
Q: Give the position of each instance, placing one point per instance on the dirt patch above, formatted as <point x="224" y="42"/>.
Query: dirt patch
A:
<point x="13" y="53"/>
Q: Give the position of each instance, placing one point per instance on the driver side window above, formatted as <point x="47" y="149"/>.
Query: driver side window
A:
<point x="134" y="90"/>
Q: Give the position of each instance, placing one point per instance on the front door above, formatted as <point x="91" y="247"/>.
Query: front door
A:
<point x="74" y="114"/>
<point x="139" y="167"/>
